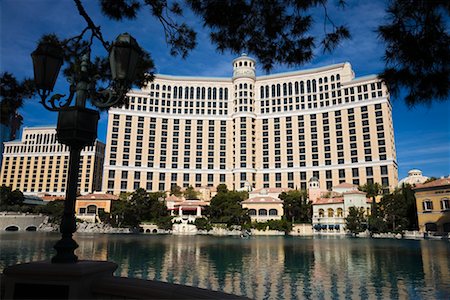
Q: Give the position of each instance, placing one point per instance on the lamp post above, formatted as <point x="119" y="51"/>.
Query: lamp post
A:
<point x="77" y="125"/>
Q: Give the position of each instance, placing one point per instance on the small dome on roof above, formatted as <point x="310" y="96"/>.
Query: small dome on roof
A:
<point x="414" y="177"/>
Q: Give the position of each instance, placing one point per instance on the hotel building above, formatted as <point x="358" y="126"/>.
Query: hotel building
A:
<point x="246" y="131"/>
<point x="38" y="164"/>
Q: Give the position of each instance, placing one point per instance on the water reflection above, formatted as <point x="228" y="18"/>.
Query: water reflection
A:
<point x="263" y="267"/>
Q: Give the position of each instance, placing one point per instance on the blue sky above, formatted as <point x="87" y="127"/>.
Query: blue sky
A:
<point x="422" y="133"/>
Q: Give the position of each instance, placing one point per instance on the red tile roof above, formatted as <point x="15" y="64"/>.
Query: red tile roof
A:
<point x="262" y="200"/>
<point x="271" y="190"/>
<point x="345" y="185"/>
<point x="434" y="183"/>
<point x="98" y="196"/>
<point x="355" y="192"/>
<point x="329" y="200"/>
<point x="174" y="198"/>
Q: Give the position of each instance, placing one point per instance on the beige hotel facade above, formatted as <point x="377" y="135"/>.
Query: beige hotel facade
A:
<point x="274" y="131"/>
<point x="38" y="164"/>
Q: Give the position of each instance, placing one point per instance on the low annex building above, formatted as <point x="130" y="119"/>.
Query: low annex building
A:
<point x="433" y="206"/>
<point x="329" y="213"/>
<point x="89" y="206"/>
<point x="264" y="204"/>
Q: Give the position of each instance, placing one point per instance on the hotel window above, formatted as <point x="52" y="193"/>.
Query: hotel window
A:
<point x="330" y="213"/>
<point x="445" y="204"/>
<point x="321" y="213"/>
<point x="427" y="205"/>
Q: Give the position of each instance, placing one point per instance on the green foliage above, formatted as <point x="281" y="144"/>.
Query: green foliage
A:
<point x="225" y="207"/>
<point x="356" y="221"/>
<point x="417" y="50"/>
<point x="203" y="224"/>
<point x="9" y="197"/>
<point x="164" y="222"/>
<point x="222" y="188"/>
<point x="279" y="225"/>
<point x="296" y="206"/>
<point x="142" y="206"/>
<point x="430" y="179"/>
<point x="175" y="190"/>
<point x="190" y="193"/>
<point x="53" y="209"/>
<point x="377" y="224"/>
<point x="12" y="94"/>
<point x="395" y="211"/>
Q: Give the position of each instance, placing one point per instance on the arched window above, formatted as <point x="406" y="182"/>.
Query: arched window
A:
<point x="273" y="212"/>
<point x="262" y="212"/>
<point x="308" y="86"/>
<point x="245" y="85"/>
<point x="330" y="213"/>
<point x="314" y="86"/>
<point x="152" y="86"/>
<point x="180" y="92"/>
<point x="198" y="93"/>
<point x="290" y="89"/>
<point x="427" y="205"/>
<point x="332" y="78"/>
<point x="220" y="93"/>
<point x="157" y="86"/>
<point x="296" y="87"/>
<point x="278" y="90"/>
<point x="446" y="227"/>
<point x="325" y="79"/>
<point x="338" y="77"/>
<point x="262" y="92"/>
<point x="445" y="204"/>
<point x="340" y="212"/>
<point x="430" y="227"/>
<point x="186" y="93"/>
<point x="321" y="213"/>
<point x="192" y="93"/>
<point x="252" y="212"/>
<point x="302" y="87"/>
<point x="169" y="88"/>
<point x="209" y="93"/>
<point x="240" y="86"/>
<point x="175" y="92"/>
<point x="203" y="93"/>
<point x="226" y="93"/>
<point x="320" y="80"/>
<point x="164" y="87"/>
<point x="273" y="90"/>
<point x="92" y="209"/>
<point x="214" y="94"/>
<point x="284" y="89"/>
<point x="267" y="91"/>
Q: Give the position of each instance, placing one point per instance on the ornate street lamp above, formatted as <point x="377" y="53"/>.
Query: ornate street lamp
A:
<point x="77" y="125"/>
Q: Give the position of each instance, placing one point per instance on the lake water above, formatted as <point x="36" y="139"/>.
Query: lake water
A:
<point x="262" y="267"/>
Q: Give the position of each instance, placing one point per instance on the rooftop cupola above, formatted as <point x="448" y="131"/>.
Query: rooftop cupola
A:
<point x="244" y="67"/>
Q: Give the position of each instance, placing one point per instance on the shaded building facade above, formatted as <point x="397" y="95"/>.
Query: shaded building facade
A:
<point x="39" y="164"/>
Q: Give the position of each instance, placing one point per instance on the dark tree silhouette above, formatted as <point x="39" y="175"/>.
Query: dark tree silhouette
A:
<point x="417" y="50"/>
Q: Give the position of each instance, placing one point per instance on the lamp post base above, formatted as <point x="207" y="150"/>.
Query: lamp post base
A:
<point x="45" y="280"/>
<point x="65" y="248"/>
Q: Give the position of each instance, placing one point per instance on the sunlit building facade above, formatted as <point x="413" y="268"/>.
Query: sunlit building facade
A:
<point x="273" y="131"/>
<point x="39" y="164"/>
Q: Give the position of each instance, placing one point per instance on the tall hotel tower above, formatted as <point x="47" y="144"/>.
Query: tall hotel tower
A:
<point x="246" y="131"/>
<point x="39" y="164"/>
